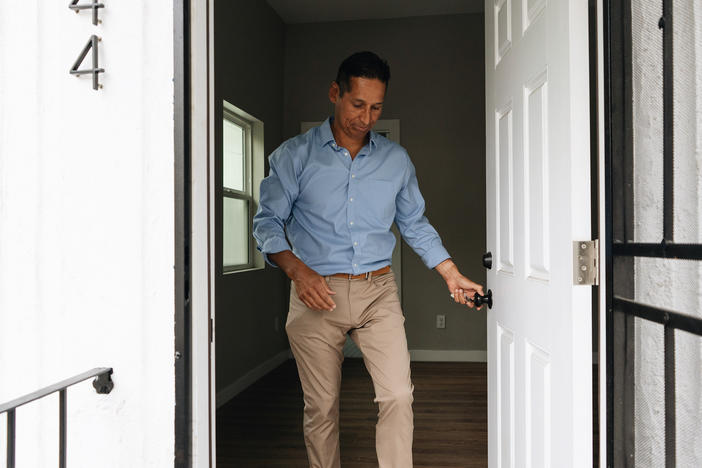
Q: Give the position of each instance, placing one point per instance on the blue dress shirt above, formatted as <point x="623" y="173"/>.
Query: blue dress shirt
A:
<point x="337" y="212"/>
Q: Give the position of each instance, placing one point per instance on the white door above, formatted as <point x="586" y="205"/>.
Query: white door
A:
<point x="538" y="203"/>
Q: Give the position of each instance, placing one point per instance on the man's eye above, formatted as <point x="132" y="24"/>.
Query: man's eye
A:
<point x="358" y="106"/>
<point x="377" y="108"/>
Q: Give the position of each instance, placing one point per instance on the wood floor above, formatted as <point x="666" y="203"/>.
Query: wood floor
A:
<point x="262" y="426"/>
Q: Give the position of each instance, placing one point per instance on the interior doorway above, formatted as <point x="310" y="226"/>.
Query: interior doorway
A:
<point x="291" y="66"/>
<point x="277" y="70"/>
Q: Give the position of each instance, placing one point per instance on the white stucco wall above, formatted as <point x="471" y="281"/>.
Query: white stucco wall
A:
<point x="87" y="229"/>
<point x="666" y="283"/>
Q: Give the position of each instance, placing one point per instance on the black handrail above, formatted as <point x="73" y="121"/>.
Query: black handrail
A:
<point x="659" y="250"/>
<point x="669" y="318"/>
<point x="103" y="384"/>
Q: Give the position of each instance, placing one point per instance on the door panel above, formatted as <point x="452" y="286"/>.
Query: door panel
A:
<point x="538" y="203"/>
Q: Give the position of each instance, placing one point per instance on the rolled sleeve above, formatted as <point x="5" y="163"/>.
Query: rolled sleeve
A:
<point x="435" y="255"/>
<point x="272" y="246"/>
<point x="277" y="195"/>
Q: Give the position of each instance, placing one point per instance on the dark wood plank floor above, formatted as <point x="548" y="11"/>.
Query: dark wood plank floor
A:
<point x="262" y="426"/>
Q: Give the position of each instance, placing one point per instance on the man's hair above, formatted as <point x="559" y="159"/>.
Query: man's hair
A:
<point x="364" y="65"/>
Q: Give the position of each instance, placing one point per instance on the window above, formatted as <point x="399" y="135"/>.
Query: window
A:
<point x="242" y="171"/>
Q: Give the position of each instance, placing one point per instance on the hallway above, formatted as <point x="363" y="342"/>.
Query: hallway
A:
<point x="262" y="426"/>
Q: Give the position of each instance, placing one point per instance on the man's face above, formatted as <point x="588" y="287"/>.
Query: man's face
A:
<point x="359" y="108"/>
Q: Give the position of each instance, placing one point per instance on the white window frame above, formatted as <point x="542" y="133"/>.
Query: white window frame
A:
<point x="253" y="170"/>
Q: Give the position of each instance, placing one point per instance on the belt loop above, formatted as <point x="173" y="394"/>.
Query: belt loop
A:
<point x="369" y="275"/>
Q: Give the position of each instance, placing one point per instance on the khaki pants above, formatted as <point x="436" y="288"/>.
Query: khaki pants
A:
<point x="370" y="310"/>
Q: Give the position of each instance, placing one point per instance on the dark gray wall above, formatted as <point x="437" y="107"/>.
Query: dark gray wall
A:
<point x="249" y="57"/>
<point x="437" y="92"/>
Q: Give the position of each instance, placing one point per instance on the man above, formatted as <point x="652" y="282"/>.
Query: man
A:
<point x="336" y="190"/>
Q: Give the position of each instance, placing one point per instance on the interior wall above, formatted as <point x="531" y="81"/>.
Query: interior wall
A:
<point x="437" y="91"/>
<point x="249" y="55"/>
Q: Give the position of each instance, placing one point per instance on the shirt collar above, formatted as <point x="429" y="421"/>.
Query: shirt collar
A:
<point x="326" y="136"/>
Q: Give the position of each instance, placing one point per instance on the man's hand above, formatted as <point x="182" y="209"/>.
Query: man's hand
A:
<point x="458" y="285"/>
<point x="312" y="289"/>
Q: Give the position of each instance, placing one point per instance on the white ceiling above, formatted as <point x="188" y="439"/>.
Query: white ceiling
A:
<point x="316" y="11"/>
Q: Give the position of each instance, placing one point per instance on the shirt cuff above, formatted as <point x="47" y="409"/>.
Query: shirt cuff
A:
<point x="435" y="255"/>
<point x="272" y="246"/>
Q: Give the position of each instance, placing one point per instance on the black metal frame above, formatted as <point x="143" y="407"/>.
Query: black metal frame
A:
<point x="102" y="383"/>
<point x="619" y="213"/>
<point x="183" y="345"/>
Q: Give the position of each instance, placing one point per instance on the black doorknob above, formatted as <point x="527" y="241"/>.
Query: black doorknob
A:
<point x="487" y="260"/>
<point x="479" y="300"/>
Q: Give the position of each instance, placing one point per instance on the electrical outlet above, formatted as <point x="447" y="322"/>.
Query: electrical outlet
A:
<point x="440" y="321"/>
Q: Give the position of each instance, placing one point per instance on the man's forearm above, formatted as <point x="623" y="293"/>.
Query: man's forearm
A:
<point x="447" y="269"/>
<point x="288" y="262"/>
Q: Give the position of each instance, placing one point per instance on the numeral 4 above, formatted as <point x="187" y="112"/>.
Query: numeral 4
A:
<point x="92" y="44"/>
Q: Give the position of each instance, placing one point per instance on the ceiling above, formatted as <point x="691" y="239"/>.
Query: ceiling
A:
<point x="317" y="11"/>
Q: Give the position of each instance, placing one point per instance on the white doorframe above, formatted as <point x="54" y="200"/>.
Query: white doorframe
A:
<point x="203" y="409"/>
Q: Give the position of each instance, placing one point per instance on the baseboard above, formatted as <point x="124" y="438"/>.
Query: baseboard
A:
<point x="246" y="380"/>
<point x="448" y="355"/>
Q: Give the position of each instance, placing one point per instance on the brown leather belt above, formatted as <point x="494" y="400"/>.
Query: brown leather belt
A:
<point x="370" y="274"/>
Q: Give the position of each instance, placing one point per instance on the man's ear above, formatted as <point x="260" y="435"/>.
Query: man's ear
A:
<point x="334" y="92"/>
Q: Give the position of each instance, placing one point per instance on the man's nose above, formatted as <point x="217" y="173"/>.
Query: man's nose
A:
<point x="365" y="116"/>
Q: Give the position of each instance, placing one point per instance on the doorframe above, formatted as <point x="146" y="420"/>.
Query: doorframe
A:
<point x="194" y="236"/>
<point x="182" y="237"/>
<point x="200" y="26"/>
<point x="194" y="286"/>
<point x="603" y="232"/>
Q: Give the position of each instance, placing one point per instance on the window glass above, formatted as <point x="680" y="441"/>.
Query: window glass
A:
<point x="234" y="160"/>
<point x="235" y="235"/>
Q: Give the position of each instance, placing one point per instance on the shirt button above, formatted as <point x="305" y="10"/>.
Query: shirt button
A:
<point x="353" y="176"/>
<point x="355" y="265"/>
<point x="351" y="199"/>
<point x="351" y="223"/>
<point x="355" y="243"/>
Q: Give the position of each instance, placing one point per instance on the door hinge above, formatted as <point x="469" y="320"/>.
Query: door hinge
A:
<point x="586" y="268"/>
<point x="211" y="330"/>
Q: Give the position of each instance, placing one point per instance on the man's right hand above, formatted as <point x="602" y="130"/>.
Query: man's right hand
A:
<point x="312" y="289"/>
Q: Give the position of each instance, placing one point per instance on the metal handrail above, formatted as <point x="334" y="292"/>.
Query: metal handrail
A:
<point x="669" y="318"/>
<point x="659" y="250"/>
<point x="103" y="384"/>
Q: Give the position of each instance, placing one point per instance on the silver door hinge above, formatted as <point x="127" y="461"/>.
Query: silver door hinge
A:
<point x="586" y="262"/>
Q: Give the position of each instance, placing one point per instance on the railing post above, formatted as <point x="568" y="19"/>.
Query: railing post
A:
<point x="11" y="439"/>
<point x="62" y="428"/>
<point x="102" y="383"/>
<point x="669" y="359"/>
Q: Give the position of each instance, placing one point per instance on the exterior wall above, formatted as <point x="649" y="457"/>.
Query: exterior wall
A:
<point x="437" y="91"/>
<point x="672" y="284"/>
<point x="249" y="48"/>
<point x="87" y="230"/>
